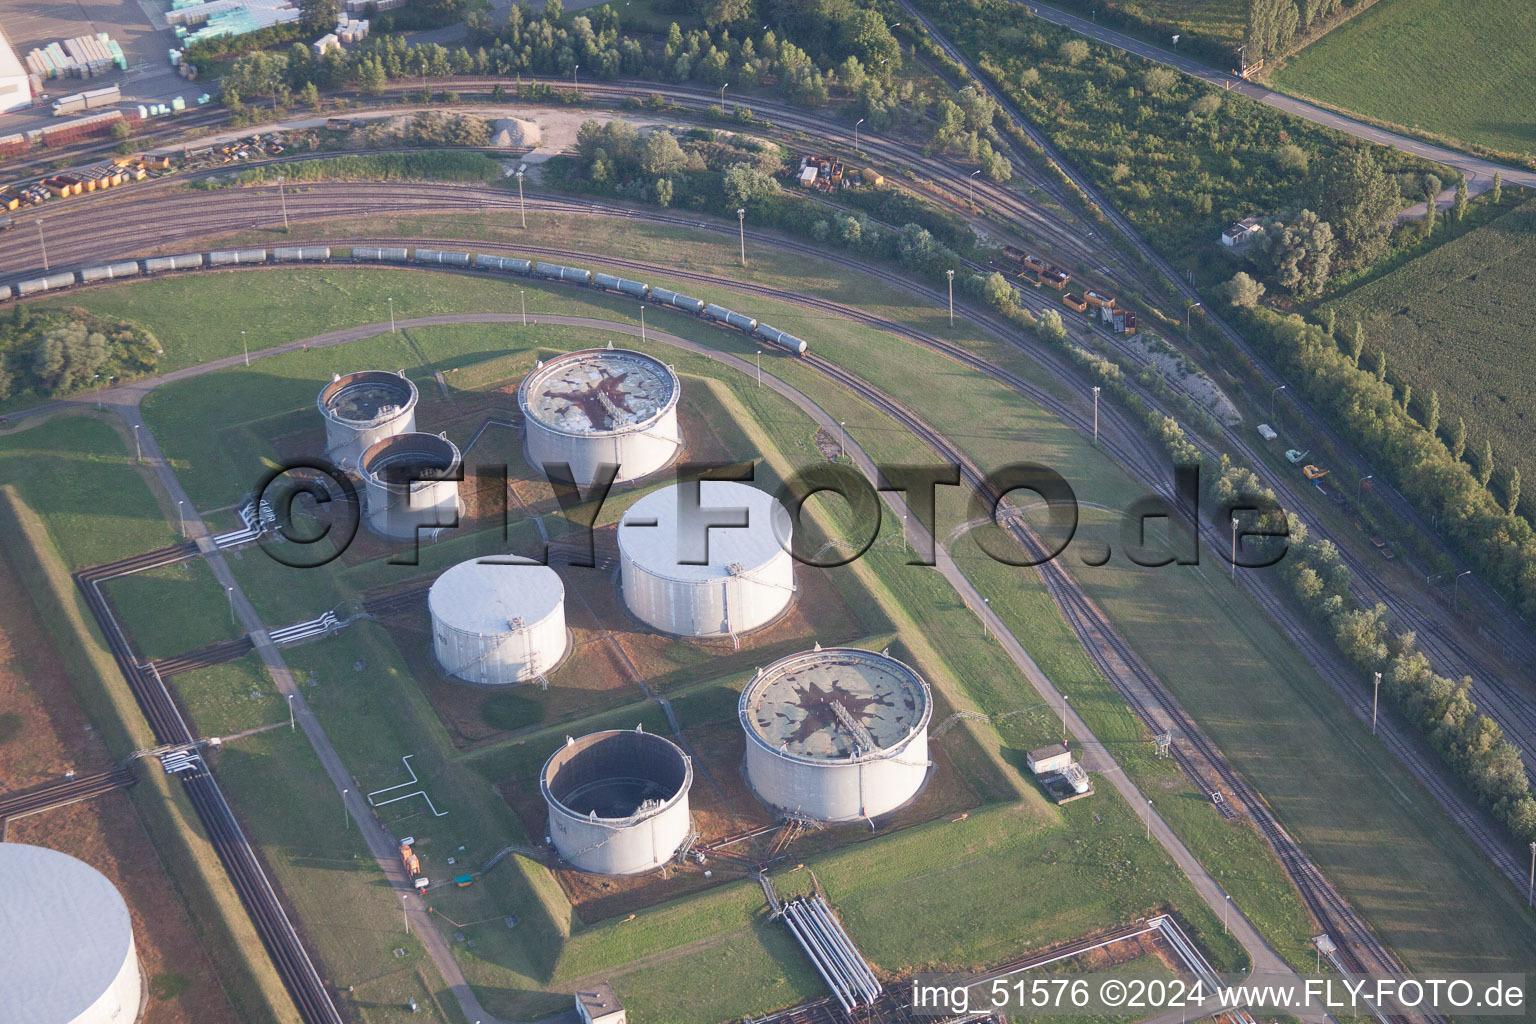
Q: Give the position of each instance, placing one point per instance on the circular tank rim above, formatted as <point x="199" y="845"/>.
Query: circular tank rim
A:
<point x="400" y="380"/>
<point x="444" y="619"/>
<point x="445" y="451"/>
<point x="570" y="750"/>
<point x="883" y="754"/>
<point x="539" y="373"/>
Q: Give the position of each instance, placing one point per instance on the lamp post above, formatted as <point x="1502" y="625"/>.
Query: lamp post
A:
<point x="951" y="275"/>
<point x="1187" y="310"/>
<point x="181" y="518"/>
<point x="391" y="300"/>
<point x="856" y="148"/>
<point x="1149" y="819"/>
<point x="404" y="916"/>
<point x="1272" y="395"/>
<point x="723" y="86"/>
<point x="971" y="181"/>
<point x="1361" y="484"/>
<point x="346" y="819"/>
<point x="291" y="725"/>
<point x="1456" y="587"/>
<point x="522" y="305"/>
<point x="987" y="605"/>
<point x="759" y="367"/>
<point x="1224" y="907"/>
<point x="1063" y="717"/>
<point x="642" y="324"/>
<point x="42" y="242"/>
<point x="138" y="452"/>
<point x="244" y="348"/>
<point x="1234" y="547"/>
<point x="230" y="593"/>
<point x="282" y="197"/>
<point x="574" y="83"/>
<point x="1375" y="699"/>
<point x="741" y="225"/>
<point x="842" y="441"/>
<point x="1095" y="415"/>
<point x="522" y="211"/>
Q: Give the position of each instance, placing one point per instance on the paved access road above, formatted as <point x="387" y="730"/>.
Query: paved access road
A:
<point x="1479" y="172"/>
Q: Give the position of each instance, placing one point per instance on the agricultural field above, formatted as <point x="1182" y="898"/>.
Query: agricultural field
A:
<point x="1454" y="321"/>
<point x="1444" y="67"/>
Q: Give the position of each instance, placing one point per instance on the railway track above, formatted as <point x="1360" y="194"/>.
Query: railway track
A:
<point x="282" y="940"/>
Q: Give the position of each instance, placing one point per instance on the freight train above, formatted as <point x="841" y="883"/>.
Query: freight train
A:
<point x="420" y="256"/>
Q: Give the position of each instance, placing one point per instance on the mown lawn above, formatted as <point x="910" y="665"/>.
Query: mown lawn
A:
<point x="1458" y="68"/>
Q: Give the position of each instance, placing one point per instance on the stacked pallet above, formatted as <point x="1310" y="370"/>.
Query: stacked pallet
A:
<point x="80" y="57"/>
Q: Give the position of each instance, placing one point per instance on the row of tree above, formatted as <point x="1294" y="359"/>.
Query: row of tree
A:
<point x="54" y="354"/>
<point x="1275" y="27"/>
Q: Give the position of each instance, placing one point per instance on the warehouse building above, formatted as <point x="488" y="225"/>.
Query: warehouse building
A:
<point x="601" y="406"/>
<point x="67" y="954"/>
<point x="15" y="87"/>
<point x="836" y="734"/>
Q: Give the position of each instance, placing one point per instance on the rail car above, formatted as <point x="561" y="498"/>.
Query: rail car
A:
<point x="378" y="254"/>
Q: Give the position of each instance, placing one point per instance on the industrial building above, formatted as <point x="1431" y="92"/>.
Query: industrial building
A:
<point x="618" y="801"/>
<point x="498" y="623"/>
<point x="1063" y="778"/>
<point x="67" y="954"/>
<point x="601" y="406"/>
<point x="411" y="482"/>
<point x="723" y="581"/>
<point x="15" y="86"/>
<point x="836" y="734"/>
<point x="363" y="408"/>
<point x="597" y="1004"/>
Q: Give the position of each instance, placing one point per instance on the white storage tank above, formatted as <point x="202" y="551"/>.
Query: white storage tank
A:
<point x="498" y="623"/>
<point x="67" y="954"/>
<point x="363" y="408"/>
<point x="408" y="481"/>
<point x="839" y="734"/>
<point x="618" y="801"/>
<point x="599" y="406"/>
<point x="743" y="581"/>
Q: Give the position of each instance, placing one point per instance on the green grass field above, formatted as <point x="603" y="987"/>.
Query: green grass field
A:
<point x="1453" y="321"/>
<point x="1450" y="67"/>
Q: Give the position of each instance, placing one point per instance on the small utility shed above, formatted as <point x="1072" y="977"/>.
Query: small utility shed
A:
<point x="1053" y="758"/>
<point x="598" y="1005"/>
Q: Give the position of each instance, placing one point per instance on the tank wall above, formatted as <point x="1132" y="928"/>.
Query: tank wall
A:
<point x="637" y="848"/>
<point x="397" y="513"/>
<point x="719" y="607"/>
<point x="637" y="454"/>
<point x="501" y="659"/>
<point x="120" y="1001"/>
<point x="346" y="445"/>
<point x="837" y="792"/>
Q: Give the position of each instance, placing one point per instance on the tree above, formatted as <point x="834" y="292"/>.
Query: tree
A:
<point x="997" y="291"/>
<point x="1431" y="193"/>
<point x="661" y="156"/>
<point x="1357" y="343"/>
<point x="1484" y="469"/>
<point x="1381" y="365"/>
<point x="1074" y="51"/>
<point x="1432" y="413"/>
<point x="1051" y="328"/>
<point x="120" y="130"/>
<point x="319" y="16"/>
<point x="663" y="191"/>
<point x="371" y="78"/>
<point x="1358" y="199"/>
<point x="1301" y="253"/>
<point x="1244" y="291"/>
<point x="1459" y="207"/>
<point x="310" y="96"/>
<point x="1271" y="27"/>
<point x="743" y="183"/>
<point x="1459" y="439"/>
<point x="230" y="97"/>
<point x="1159" y="81"/>
<point x="1291" y="159"/>
<point x="1498" y="188"/>
<point x="554" y="10"/>
<point x="1512" y="491"/>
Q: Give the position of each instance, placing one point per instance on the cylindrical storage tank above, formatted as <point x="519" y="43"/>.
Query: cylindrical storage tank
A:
<point x="667" y="297"/>
<point x="67" y="954"/>
<point x="44" y="284"/>
<point x="109" y="272"/>
<point x="780" y="338"/>
<point x="363" y="408"/>
<point x="231" y="257"/>
<point x="408" y="480"/>
<point x="451" y="259"/>
<point x="185" y="262"/>
<point x="373" y="254"/>
<point x="302" y="253"/>
<point x="498" y="623"/>
<point x="836" y="734"/>
<point x="747" y="575"/>
<point x="507" y="264"/>
<point x="599" y="406"/>
<point x="621" y="285"/>
<point x="556" y="272"/>
<point x="618" y="801"/>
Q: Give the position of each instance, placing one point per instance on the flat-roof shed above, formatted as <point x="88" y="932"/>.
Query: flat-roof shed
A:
<point x="598" y="1005"/>
<point x="1053" y="758"/>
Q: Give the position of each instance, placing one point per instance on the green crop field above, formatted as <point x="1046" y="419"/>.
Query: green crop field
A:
<point x="1462" y="69"/>
<point x="1456" y="321"/>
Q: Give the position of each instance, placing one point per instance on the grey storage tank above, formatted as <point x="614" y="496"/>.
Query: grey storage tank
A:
<point x="836" y="734"/>
<point x="618" y="801"/>
<point x="601" y="406"/>
<point x="743" y="581"/>
<point x="411" y="484"/>
<point x="376" y="254"/>
<point x="498" y="622"/>
<point x="447" y="259"/>
<point x="110" y="272"/>
<point x="505" y="264"/>
<point x="362" y="408"/>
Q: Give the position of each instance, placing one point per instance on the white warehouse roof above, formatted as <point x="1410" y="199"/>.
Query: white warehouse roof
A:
<point x="657" y="547"/>
<point x="66" y="940"/>
<point x="15" y="90"/>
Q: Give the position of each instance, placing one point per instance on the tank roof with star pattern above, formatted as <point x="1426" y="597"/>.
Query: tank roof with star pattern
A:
<point x="599" y="391"/>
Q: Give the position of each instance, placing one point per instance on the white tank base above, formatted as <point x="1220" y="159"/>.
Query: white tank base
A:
<point x="473" y="684"/>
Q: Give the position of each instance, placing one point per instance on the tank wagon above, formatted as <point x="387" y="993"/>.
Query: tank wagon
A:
<point x="235" y="257"/>
<point x="600" y="406"/>
<point x="498" y="623"/>
<point x="618" y="801"/>
<point x="379" y="254"/>
<point x="445" y="259"/>
<point x="836" y="734"/>
<point x="67" y="952"/>
<point x="743" y="581"/>
<point x="557" y="272"/>
<point x="109" y="272"/>
<point x="374" y="254"/>
<point x="411" y="482"/>
<point x="363" y="408"/>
